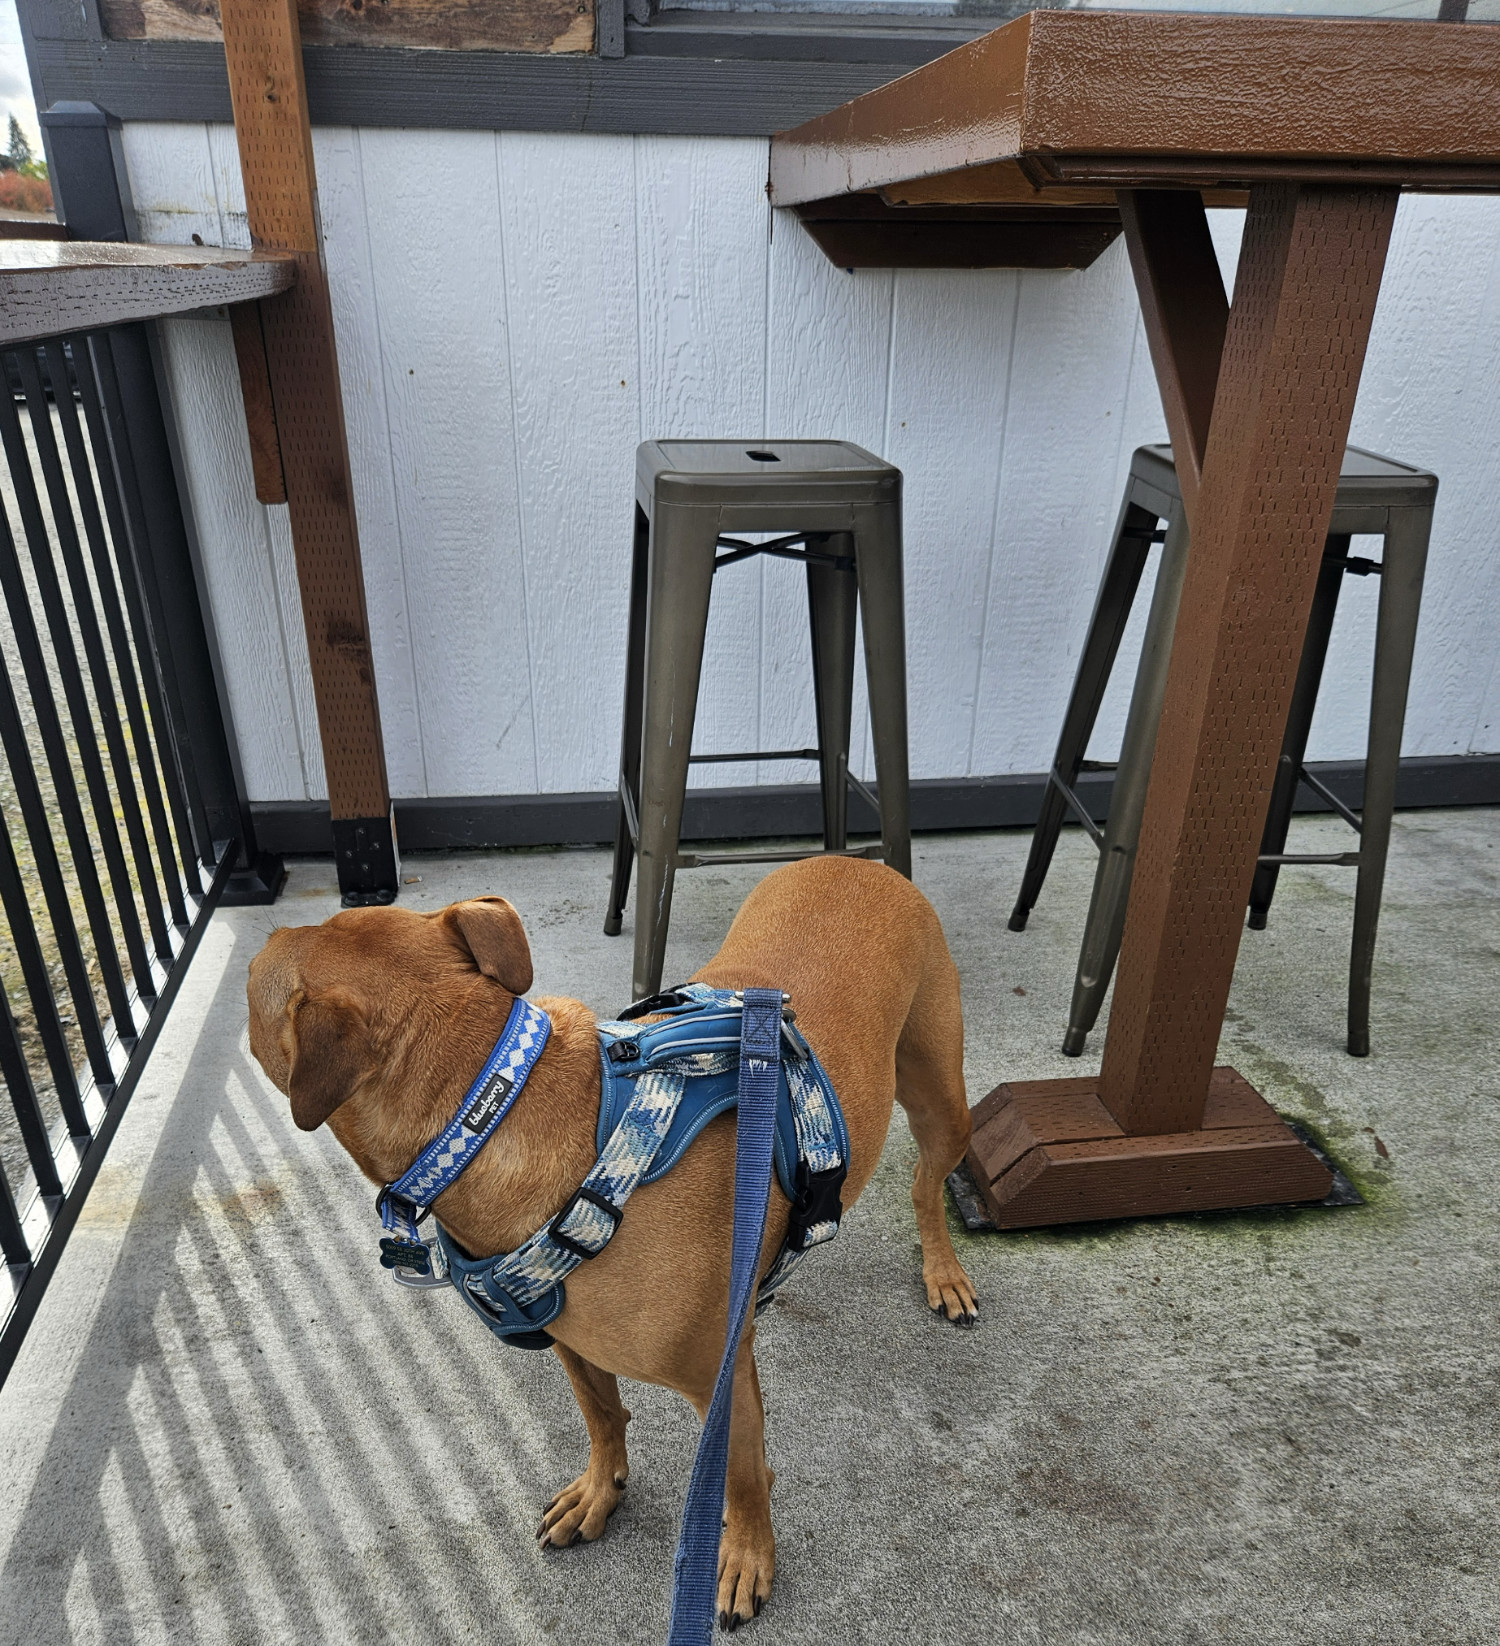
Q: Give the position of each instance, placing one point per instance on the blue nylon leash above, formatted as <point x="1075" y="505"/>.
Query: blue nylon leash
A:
<point x="696" y="1569"/>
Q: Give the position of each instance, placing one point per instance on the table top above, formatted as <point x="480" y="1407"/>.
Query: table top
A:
<point x="1060" y="108"/>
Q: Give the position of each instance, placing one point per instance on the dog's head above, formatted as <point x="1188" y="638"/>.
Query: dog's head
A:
<point x="374" y="995"/>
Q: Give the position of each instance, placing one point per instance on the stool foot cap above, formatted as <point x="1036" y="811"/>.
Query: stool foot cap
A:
<point x="612" y="925"/>
<point x="1257" y="921"/>
<point x="1074" y="1041"/>
<point x="1018" y="918"/>
<point x="1359" y="1045"/>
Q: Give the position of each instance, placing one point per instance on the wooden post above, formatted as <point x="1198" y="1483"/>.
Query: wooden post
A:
<point x="1160" y="1129"/>
<point x="262" y="44"/>
<point x="1186" y="314"/>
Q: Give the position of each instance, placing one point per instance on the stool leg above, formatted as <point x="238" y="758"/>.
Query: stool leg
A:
<point x="832" y="598"/>
<point x="1298" y="725"/>
<point x="630" y="734"/>
<point x="1405" y="562"/>
<point x="679" y="579"/>
<point x="1117" y="589"/>
<point x="877" y="553"/>
<point x="1106" y="918"/>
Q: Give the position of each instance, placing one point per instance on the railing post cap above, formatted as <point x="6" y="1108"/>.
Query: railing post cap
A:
<point x="76" y="114"/>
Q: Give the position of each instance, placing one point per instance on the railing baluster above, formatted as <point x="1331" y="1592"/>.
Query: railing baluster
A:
<point x="127" y="655"/>
<point x="23" y="927"/>
<point x="16" y="1072"/>
<point x="49" y="722"/>
<point x="151" y="631"/>
<point x="12" y="1241"/>
<point x="33" y="809"/>
<point x="86" y="619"/>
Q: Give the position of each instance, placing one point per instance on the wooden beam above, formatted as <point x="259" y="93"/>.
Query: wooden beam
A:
<point x="260" y="408"/>
<point x="1186" y="312"/>
<point x="431" y="25"/>
<point x="861" y="231"/>
<point x="1310" y="269"/>
<point x="52" y="286"/>
<point x="264" y="52"/>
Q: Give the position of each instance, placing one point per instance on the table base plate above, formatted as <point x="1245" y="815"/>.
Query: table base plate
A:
<point x="1048" y="1152"/>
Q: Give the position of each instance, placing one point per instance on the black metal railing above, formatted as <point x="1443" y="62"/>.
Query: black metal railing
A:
<point x="117" y="836"/>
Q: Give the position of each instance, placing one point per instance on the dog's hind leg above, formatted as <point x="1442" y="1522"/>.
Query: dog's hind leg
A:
<point x="930" y="1087"/>
<point x="578" y="1513"/>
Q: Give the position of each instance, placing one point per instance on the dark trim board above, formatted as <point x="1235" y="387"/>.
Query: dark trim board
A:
<point x="301" y="827"/>
<point x="477" y="91"/>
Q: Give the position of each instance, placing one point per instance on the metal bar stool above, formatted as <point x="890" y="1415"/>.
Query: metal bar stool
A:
<point x="1376" y="496"/>
<point x="839" y="512"/>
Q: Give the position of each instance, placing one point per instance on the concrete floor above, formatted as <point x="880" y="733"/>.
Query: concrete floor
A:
<point x="226" y="1425"/>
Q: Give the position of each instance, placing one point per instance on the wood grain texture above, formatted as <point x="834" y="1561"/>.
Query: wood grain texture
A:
<point x="1132" y="99"/>
<point x="568" y="233"/>
<point x="936" y="347"/>
<point x="434" y="25"/>
<point x="50" y="286"/>
<point x="1304" y="300"/>
<point x="952" y="345"/>
<point x="260" y="410"/>
<point x="275" y="143"/>
<point x="827" y="366"/>
<point x="348" y="241"/>
<point x="1048" y="1152"/>
<point x="1185" y="310"/>
<point x="1056" y="504"/>
<point x="246" y="606"/>
<point x="703" y="246"/>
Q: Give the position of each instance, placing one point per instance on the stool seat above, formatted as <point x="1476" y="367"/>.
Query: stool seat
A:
<point x="1376" y="496"/>
<point x="837" y="509"/>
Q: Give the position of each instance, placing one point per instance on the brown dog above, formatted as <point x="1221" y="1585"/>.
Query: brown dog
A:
<point x="378" y="1020"/>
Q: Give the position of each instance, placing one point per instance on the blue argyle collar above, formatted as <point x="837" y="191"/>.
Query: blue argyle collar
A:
<point x="404" y="1203"/>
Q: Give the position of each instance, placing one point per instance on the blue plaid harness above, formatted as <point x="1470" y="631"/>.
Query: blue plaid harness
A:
<point x="661" y="1083"/>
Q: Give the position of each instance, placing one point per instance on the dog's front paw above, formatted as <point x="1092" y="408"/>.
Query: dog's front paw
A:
<point x="950" y="1292"/>
<point x="747" y="1565"/>
<point x="578" y="1513"/>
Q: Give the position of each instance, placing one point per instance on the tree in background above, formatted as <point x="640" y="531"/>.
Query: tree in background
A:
<point x="19" y="150"/>
<point x="24" y="185"/>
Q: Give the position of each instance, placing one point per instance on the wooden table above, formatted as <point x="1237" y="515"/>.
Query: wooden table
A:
<point x="1070" y="117"/>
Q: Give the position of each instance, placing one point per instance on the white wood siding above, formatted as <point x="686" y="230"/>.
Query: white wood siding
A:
<point x="515" y="312"/>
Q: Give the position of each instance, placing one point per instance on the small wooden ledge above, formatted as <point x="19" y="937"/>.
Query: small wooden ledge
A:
<point x="861" y="231"/>
<point x="48" y="287"/>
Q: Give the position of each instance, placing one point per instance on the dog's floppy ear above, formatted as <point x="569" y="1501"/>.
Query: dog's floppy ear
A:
<point x="331" y="1055"/>
<point x="491" y="930"/>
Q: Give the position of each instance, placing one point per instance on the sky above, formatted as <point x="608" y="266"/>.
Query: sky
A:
<point x="15" y="83"/>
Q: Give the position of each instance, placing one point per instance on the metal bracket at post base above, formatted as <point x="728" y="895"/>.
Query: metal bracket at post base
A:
<point x="369" y="864"/>
<point x="256" y="884"/>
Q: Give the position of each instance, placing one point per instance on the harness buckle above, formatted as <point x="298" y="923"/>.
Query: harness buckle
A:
<point x="663" y="1002"/>
<point x="624" y="1051"/>
<point x="818" y="1201"/>
<point x="568" y="1244"/>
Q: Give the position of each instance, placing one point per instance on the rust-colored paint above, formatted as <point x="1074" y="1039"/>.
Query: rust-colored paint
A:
<point x="1309" y="275"/>
<point x="441" y="25"/>
<point x="1005" y="184"/>
<point x="1048" y="1152"/>
<point x="861" y="231"/>
<point x="1123" y="99"/>
<point x="264" y="53"/>
<point x="1186" y="313"/>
